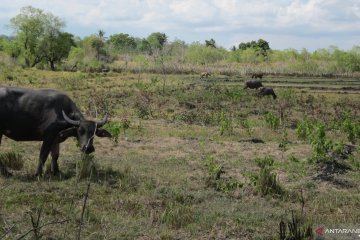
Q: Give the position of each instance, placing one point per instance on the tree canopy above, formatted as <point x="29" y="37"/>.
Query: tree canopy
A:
<point x="40" y="36"/>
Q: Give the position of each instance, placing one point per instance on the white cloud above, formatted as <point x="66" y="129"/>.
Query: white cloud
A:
<point x="193" y="11"/>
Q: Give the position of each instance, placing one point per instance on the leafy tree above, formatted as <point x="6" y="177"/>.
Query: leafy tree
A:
<point x="94" y="46"/>
<point x="101" y="34"/>
<point x="143" y="45"/>
<point x="347" y="61"/>
<point x="261" y="46"/>
<point x="76" y="56"/>
<point x="177" y="50"/>
<point x="122" y="41"/>
<point x="56" y="47"/>
<point x="10" y="46"/>
<point x="210" y="43"/>
<point x="32" y="26"/>
<point x="157" y="41"/>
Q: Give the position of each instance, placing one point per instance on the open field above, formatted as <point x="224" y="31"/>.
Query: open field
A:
<point x="188" y="166"/>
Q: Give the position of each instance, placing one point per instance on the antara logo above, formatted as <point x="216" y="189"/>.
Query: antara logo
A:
<point x="320" y="231"/>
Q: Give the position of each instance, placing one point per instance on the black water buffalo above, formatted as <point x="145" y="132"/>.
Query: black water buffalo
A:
<point x="205" y="74"/>
<point x="266" y="91"/>
<point x="253" y="84"/>
<point x="48" y="116"/>
<point x="257" y="75"/>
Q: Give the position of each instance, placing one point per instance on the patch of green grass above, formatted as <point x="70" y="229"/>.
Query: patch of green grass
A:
<point x="12" y="160"/>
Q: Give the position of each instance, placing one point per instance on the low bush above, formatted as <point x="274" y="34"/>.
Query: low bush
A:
<point x="265" y="180"/>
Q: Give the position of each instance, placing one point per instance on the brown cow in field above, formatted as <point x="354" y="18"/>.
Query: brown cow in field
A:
<point x="253" y="84"/>
<point x="266" y="91"/>
<point x="257" y="75"/>
<point x="205" y="74"/>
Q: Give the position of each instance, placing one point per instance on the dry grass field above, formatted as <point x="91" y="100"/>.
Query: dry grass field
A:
<point x="200" y="159"/>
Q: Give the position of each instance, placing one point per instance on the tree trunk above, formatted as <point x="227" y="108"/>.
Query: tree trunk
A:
<point x="52" y="65"/>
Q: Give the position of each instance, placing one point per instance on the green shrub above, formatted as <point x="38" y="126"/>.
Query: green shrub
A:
<point x="319" y="143"/>
<point x="297" y="229"/>
<point x="304" y="129"/>
<point x="350" y="127"/>
<point x="225" y="124"/>
<point x="115" y="128"/>
<point x="272" y="120"/>
<point x="247" y="124"/>
<point x="215" y="180"/>
<point x="283" y="145"/>
<point x="266" y="181"/>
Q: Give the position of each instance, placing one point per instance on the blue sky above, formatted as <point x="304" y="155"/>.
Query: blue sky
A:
<point x="298" y="24"/>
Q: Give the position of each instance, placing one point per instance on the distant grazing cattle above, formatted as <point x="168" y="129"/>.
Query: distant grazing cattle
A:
<point x="205" y="74"/>
<point x="48" y="116"/>
<point x="253" y="84"/>
<point x="266" y="91"/>
<point x="257" y="75"/>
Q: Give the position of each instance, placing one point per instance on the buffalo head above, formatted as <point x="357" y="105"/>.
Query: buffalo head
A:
<point x="84" y="131"/>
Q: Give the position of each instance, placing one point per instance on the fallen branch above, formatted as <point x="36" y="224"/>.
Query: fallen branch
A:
<point x="39" y="227"/>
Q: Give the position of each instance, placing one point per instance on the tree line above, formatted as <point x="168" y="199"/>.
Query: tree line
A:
<point x="40" y="41"/>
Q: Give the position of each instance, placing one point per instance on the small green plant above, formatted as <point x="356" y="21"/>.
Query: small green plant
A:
<point x="355" y="162"/>
<point x="339" y="147"/>
<point x="351" y="128"/>
<point x="12" y="160"/>
<point x="225" y="123"/>
<point x="86" y="167"/>
<point x="295" y="229"/>
<point x="266" y="181"/>
<point x="114" y="128"/>
<point x="304" y="129"/>
<point x="216" y="181"/>
<point x="246" y="123"/>
<point x="272" y="120"/>
<point x="215" y="170"/>
<point x="125" y="124"/>
<point x="283" y="145"/>
<point x="319" y="143"/>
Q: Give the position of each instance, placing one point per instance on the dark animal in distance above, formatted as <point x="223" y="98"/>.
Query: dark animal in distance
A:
<point x="253" y="84"/>
<point x="205" y="74"/>
<point x="48" y="116"/>
<point x="266" y="91"/>
<point x="257" y="75"/>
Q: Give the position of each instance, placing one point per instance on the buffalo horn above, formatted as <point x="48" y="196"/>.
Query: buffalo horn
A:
<point x="103" y="122"/>
<point x="67" y="119"/>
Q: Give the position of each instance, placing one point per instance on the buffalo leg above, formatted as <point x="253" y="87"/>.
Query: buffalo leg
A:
<point x="44" y="153"/>
<point x="54" y="157"/>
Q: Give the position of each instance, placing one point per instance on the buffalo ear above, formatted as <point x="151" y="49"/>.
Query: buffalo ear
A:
<point x="64" y="134"/>
<point x="102" y="133"/>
